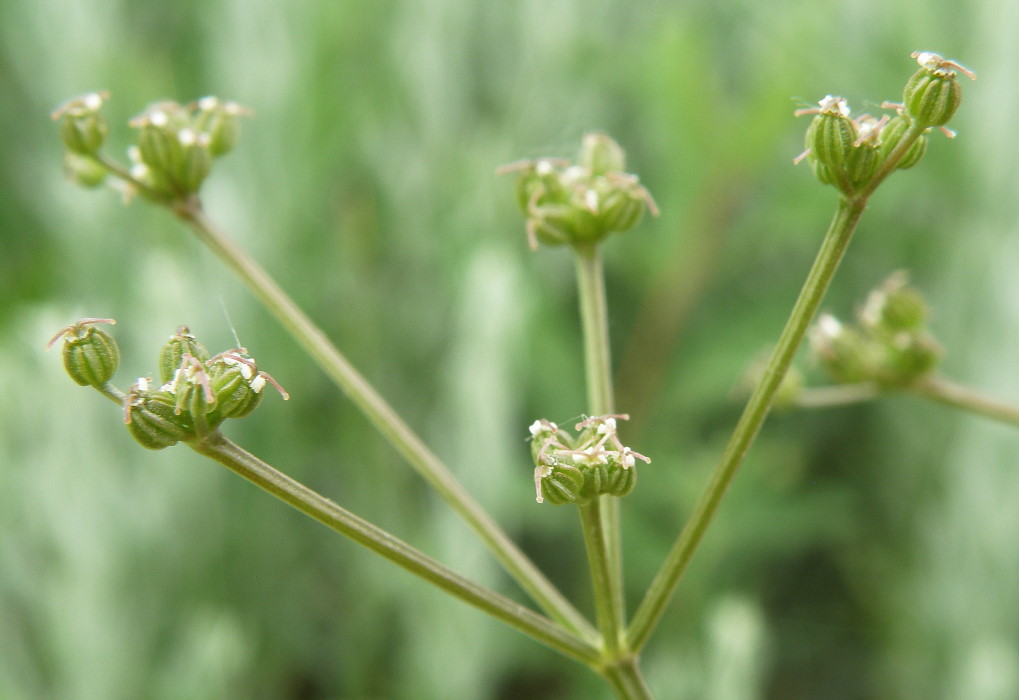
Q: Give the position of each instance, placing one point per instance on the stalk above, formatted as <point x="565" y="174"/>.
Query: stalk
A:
<point x="821" y="273"/>
<point x="961" y="397"/>
<point x="600" y="519"/>
<point x="229" y="454"/>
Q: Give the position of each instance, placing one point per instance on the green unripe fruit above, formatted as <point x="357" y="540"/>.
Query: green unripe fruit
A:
<point x="596" y="478"/>
<point x="152" y="418"/>
<point x="540" y="184"/>
<point x="84" y="170"/>
<point x="908" y="357"/>
<point x="831" y="134"/>
<point x="932" y="99"/>
<point x="195" y="160"/>
<point x="600" y="155"/>
<point x="91" y="355"/>
<point x="904" y="309"/>
<point x="822" y="172"/>
<point x="561" y="485"/>
<point x="861" y="164"/>
<point x="894" y="307"/>
<point x="620" y="480"/>
<point x="85" y="134"/>
<point x="159" y="147"/>
<point x="579" y="204"/>
<point x="844" y="353"/>
<point x="237" y="386"/>
<point x="556" y="224"/>
<point x="933" y="94"/>
<point x="218" y="119"/>
<point x="171" y="356"/>
<point x="890" y="137"/>
<point x="83" y="127"/>
<point x="621" y="209"/>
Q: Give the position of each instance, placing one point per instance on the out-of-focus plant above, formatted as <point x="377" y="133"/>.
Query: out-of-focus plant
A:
<point x="575" y="204"/>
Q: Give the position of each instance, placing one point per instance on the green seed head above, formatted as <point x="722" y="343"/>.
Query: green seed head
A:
<point x="237" y="384"/>
<point x="152" y="417"/>
<point x="83" y="127"/>
<point x="195" y="160"/>
<point x="620" y="480"/>
<point x="218" y="119"/>
<point x="91" y="355"/>
<point x="890" y="137"/>
<point x="895" y="306"/>
<point x="596" y="463"/>
<point x="600" y="155"/>
<point x="845" y="354"/>
<point x="831" y="134"/>
<point x="171" y="356"/>
<point x="159" y="143"/>
<point x="933" y="94"/>
<point x="583" y="203"/>
<point x="559" y="484"/>
<point x="84" y="170"/>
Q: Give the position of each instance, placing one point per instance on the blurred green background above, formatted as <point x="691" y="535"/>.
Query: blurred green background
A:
<point x="865" y="552"/>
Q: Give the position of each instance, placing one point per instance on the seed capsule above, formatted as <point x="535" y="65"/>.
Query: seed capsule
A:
<point x="933" y="94"/>
<point x="172" y="353"/>
<point x="83" y="127"/>
<point x="620" y="480"/>
<point x="152" y="418"/>
<point x="890" y="137"/>
<point x="91" y="355"/>
<point x="559" y="484"/>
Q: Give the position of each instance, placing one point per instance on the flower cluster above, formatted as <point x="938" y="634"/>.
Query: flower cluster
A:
<point x="174" y="151"/>
<point x="576" y="469"/>
<point x="888" y="345"/>
<point x="580" y="203"/>
<point x="197" y="394"/>
<point x="847" y="153"/>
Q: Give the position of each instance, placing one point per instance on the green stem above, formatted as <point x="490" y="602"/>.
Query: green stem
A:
<point x="385" y="419"/>
<point x="594" y="319"/>
<point x="833" y="248"/>
<point x="836" y="395"/>
<point x="821" y="273"/>
<point x="381" y="542"/>
<point x="111" y="392"/>
<point x="601" y="520"/>
<point x="958" y="396"/>
<point x="606" y="610"/>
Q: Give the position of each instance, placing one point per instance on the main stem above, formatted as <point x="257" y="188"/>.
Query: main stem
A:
<point x="385" y="419"/>
<point x="600" y="519"/>
<point x="311" y="503"/>
<point x="594" y="319"/>
<point x="821" y="273"/>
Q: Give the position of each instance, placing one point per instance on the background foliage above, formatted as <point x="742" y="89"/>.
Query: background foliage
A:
<point x="863" y="552"/>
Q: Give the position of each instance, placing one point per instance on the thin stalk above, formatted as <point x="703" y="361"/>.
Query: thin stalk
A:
<point x="594" y="320"/>
<point x="385" y="419"/>
<point x="836" y="395"/>
<point x="229" y="454"/>
<point x="833" y="248"/>
<point x="819" y="278"/>
<point x="606" y="610"/>
<point x="958" y="396"/>
<point x="601" y="520"/>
